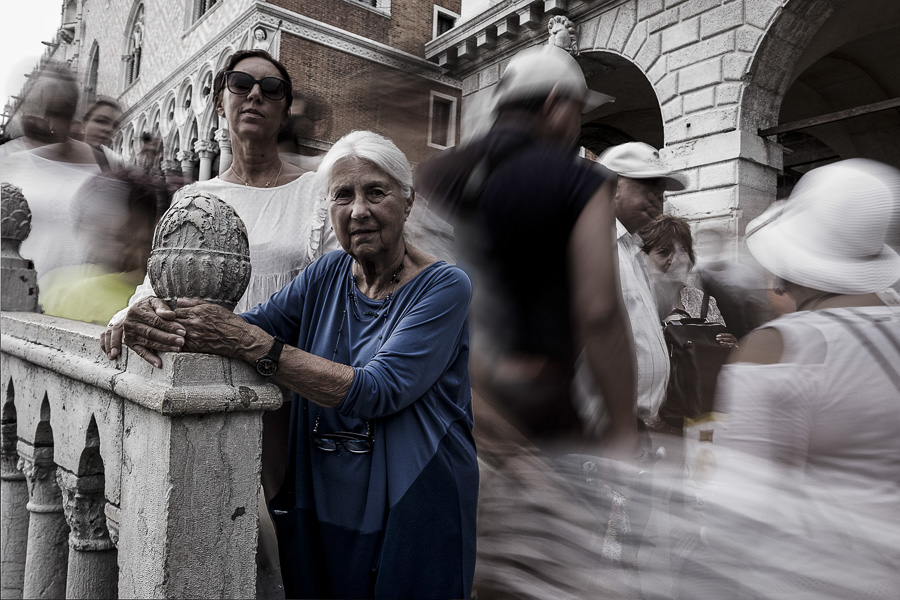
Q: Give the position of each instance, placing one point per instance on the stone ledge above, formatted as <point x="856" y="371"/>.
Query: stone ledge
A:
<point x="187" y="383"/>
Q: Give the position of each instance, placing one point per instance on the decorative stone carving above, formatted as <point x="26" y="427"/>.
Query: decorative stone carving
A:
<point x="206" y="148"/>
<point x="186" y="157"/>
<point x="170" y="166"/>
<point x="15" y="223"/>
<point x="563" y="34"/>
<point x="40" y="470"/>
<point x="9" y="458"/>
<point x="200" y="250"/>
<point x="83" y="501"/>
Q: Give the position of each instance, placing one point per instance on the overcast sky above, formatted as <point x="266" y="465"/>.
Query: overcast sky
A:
<point x="26" y="24"/>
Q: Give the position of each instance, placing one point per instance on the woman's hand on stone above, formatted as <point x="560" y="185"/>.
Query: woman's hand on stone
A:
<point x="150" y="327"/>
<point x="212" y="329"/>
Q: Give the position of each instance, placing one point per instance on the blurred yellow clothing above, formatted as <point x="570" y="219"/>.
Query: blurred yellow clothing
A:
<point x="88" y="293"/>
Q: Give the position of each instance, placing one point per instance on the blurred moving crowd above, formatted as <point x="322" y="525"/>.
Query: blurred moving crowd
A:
<point x="640" y="412"/>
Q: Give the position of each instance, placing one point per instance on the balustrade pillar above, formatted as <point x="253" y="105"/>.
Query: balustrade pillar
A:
<point x="92" y="557"/>
<point x="206" y="150"/>
<point x="187" y="158"/>
<point x="224" y="140"/>
<point x="14" y="516"/>
<point x="47" y="554"/>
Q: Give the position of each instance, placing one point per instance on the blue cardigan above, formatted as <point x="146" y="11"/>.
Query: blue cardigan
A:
<point x="400" y="521"/>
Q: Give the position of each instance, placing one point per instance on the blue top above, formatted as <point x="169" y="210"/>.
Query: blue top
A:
<point x="399" y="521"/>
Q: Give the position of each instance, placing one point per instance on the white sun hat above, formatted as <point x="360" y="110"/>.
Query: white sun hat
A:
<point x="538" y="70"/>
<point x="637" y="160"/>
<point x="830" y="233"/>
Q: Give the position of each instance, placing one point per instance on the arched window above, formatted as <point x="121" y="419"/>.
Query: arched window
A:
<point x="201" y="7"/>
<point x="134" y="46"/>
<point x="90" y="88"/>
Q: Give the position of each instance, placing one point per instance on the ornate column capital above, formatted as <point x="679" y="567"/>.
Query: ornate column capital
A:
<point x="223" y="137"/>
<point x="9" y="457"/>
<point x="170" y="166"/>
<point x="84" y="502"/>
<point x="186" y="157"/>
<point x="40" y="475"/>
<point x="206" y="148"/>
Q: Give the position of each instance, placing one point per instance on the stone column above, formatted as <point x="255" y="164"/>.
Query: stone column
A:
<point x="13" y="516"/>
<point x="224" y="140"/>
<point x="92" y="557"/>
<point x="171" y="169"/>
<point x="47" y="556"/>
<point x="18" y="280"/>
<point x="187" y="158"/>
<point x="206" y="150"/>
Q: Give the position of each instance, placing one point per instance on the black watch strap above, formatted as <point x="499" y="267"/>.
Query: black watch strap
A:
<point x="268" y="364"/>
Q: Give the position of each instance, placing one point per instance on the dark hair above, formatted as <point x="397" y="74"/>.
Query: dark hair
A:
<point x="664" y="232"/>
<point x="219" y="83"/>
<point x="102" y="101"/>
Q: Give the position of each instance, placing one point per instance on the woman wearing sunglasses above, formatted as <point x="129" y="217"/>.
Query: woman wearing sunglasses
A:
<point x="380" y="494"/>
<point x="286" y="219"/>
<point x="286" y="224"/>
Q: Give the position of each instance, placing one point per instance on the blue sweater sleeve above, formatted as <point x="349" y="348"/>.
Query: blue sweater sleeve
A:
<point x="426" y="340"/>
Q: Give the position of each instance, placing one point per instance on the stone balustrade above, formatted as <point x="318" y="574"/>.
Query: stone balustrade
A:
<point x="119" y="479"/>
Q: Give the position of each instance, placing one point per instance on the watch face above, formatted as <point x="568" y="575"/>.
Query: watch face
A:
<point x="266" y="366"/>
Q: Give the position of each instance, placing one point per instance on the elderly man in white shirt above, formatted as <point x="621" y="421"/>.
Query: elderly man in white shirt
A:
<point x="643" y="177"/>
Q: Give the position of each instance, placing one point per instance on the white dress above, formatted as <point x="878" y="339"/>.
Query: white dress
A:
<point x="288" y="227"/>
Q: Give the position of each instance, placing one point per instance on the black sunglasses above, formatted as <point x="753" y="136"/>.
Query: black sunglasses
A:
<point x="355" y="443"/>
<point x="241" y="83"/>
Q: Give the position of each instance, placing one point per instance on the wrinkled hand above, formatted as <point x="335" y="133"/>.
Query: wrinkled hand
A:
<point x="150" y="327"/>
<point x="212" y="329"/>
<point x="727" y="340"/>
<point x="111" y="341"/>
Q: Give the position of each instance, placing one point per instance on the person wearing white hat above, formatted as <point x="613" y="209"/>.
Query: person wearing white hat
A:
<point x="816" y="392"/>
<point x="643" y="178"/>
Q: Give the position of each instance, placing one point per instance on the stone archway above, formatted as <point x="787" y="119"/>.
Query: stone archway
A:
<point x="634" y="116"/>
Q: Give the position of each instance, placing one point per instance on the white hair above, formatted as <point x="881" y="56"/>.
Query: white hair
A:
<point x="372" y="148"/>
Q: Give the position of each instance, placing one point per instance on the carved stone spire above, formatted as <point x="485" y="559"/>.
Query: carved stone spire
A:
<point x="200" y="250"/>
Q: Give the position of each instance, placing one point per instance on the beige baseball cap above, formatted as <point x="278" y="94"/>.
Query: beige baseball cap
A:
<point x="637" y="160"/>
<point x="539" y="70"/>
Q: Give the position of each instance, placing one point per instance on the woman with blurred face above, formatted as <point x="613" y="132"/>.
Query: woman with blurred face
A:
<point x="100" y="121"/>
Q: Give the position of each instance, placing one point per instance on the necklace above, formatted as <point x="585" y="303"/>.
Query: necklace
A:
<point x="268" y="183"/>
<point x="395" y="279"/>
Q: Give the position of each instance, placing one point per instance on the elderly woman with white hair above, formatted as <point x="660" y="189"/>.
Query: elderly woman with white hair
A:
<point x="380" y="495"/>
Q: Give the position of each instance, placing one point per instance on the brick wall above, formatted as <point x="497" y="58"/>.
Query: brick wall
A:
<point x="407" y="28"/>
<point x="344" y="92"/>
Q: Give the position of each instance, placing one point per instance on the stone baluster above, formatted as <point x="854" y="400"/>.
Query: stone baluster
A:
<point x="206" y="150"/>
<point x="47" y="554"/>
<point x="92" y="557"/>
<point x="19" y="280"/>
<point x="171" y="170"/>
<point x="224" y="140"/>
<point x="187" y="158"/>
<point x="14" y="515"/>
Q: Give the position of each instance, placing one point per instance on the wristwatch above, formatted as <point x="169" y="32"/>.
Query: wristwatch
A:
<point x="268" y="364"/>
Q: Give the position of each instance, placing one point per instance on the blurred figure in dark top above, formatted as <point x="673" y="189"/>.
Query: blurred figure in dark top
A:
<point x="534" y="229"/>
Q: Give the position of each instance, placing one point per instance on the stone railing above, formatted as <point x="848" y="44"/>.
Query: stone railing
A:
<point x="120" y="479"/>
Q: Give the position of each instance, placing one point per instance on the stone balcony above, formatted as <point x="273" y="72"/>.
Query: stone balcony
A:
<point x="120" y="479"/>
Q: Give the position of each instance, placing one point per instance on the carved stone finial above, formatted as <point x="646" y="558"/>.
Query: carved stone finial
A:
<point x="200" y="250"/>
<point x="563" y="34"/>
<point x="15" y="223"/>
